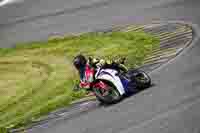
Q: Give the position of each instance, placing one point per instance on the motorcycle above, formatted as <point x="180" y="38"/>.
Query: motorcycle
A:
<point x="110" y="85"/>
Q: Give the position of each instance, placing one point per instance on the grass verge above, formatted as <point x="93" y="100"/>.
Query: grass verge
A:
<point x="38" y="77"/>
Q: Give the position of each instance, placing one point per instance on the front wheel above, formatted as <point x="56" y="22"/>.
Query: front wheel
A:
<point x="108" y="95"/>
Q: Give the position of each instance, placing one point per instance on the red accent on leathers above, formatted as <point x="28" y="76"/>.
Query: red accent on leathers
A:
<point x="89" y="73"/>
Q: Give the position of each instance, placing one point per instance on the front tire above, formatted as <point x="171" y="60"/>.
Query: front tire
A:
<point x="113" y="95"/>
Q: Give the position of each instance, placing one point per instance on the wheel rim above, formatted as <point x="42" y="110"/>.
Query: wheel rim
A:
<point x="113" y="93"/>
<point x="110" y="93"/>
<point x="142" y="77"/>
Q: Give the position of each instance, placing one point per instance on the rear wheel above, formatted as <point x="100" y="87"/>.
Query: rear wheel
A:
<point x="141" y="78"/>
<point x="110" y="95"/>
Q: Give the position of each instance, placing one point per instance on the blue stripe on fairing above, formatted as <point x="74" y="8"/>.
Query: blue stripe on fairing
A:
<point x="125" y="84"/>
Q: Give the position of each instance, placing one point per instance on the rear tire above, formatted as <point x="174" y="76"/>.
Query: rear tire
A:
<point x="141" y="78"/>
<point x="108" y="99"/>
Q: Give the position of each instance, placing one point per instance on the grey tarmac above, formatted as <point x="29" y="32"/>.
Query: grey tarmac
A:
<point x="172" y="105"/>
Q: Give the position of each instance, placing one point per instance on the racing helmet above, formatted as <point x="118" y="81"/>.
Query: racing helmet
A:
<point x="79" y="62"/>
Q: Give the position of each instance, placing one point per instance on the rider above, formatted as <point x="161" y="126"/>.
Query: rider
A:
<point x="81" y="64"/>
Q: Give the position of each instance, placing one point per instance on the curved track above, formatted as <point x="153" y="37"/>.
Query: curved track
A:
<point x="173" y="105"/>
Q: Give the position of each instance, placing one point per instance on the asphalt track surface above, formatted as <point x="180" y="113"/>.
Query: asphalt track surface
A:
<point x="171" y="106"/>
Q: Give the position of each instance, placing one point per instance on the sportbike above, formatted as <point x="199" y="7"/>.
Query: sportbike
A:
<point x="110" y="85"/>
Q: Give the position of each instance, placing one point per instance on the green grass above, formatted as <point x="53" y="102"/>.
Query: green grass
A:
<point x="38" y="77"/>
